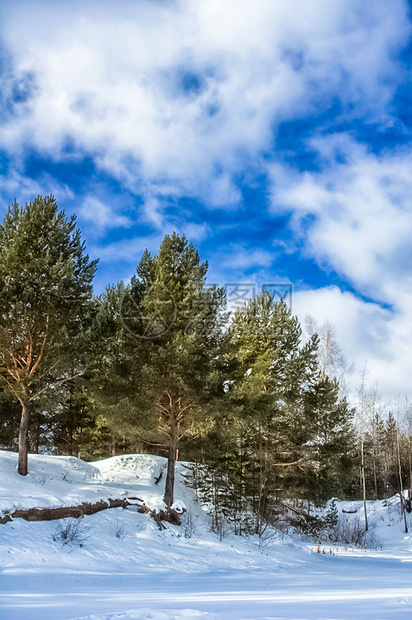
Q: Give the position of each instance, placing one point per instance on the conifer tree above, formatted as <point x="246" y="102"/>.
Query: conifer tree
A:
<point x="169" y="338"/>
<point x="115" y="390"/>
<point x="10" y="413"/>
<point x="390" y="450"/>
<point x="330" y="466"/>
<point x="285" y="401"/>
<point x="269" y="370"/>
<point x="45" y="299"/>
<point x="69" y="418"/>
<point x="180" y="369"/>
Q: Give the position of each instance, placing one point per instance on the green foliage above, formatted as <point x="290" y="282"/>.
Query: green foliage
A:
<point x="286" y="432"/>
<point x="250" y="406"/>
<point x="114" y="391"/>
<point x="158" y="371"/>
<point x="183" y="315"/>
<point x="45" y="291"/>
<point x="178" y="323"/>
<point x="10" y="411"/>
<point x="314" y="525"/>
<point x="45" y="303"/>
<point x="330" y="453"/>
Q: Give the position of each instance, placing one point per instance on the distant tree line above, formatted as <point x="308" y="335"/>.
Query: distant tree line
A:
<point x="158" y="366"/>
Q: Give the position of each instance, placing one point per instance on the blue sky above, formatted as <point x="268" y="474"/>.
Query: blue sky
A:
<point x="275" y="135"/>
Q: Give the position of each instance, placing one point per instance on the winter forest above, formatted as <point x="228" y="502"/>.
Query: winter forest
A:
<point x="205" y="310"/>
<point x="255" y="403"/>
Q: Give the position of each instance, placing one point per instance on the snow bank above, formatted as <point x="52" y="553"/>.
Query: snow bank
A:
<point x="120" y="566"/>
<point x="117" y="538"/>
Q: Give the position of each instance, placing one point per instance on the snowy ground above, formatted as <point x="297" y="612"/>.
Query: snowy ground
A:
<point x="123" y="567"/>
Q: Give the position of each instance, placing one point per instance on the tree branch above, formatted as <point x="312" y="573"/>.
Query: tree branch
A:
<point x="52" y="385"/>
<point x="287" y="464"/>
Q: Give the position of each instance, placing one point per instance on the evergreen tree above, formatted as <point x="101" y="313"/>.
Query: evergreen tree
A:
<point x="330" y="456"/>
<point x="164" y="347"/>
<point x="186" y="319"/>
<point x="45" y="299"/>
<point x="294" y="418"/>
<point x="70" y="421"/>
<point x="10" y="413"/>
<point x="390" y="451"/>
<point x="115" y="389"/>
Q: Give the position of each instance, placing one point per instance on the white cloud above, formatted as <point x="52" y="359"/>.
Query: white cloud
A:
<point x="182" y="98"/>
<point x="17" y="186"/>
<point x="361" y="222"/>
<point x="367" y="333"/>
<point x="194" y="232"/>
<point x="101" y="215"/>
<point x="362" y="326"/>
<point x="127" y="250"/>
<point x="354" y="216"/>
<point x="188" y="92"/>
<point x="242" y="259"/>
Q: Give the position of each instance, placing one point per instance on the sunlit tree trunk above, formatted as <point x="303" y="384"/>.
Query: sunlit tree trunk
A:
<point x="23" y="468"/>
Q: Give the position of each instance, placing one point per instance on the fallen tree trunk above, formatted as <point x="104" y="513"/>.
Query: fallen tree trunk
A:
<point x="169" y="515"/>
<point x="86" y="508"/>
<point x="63" y="512"/>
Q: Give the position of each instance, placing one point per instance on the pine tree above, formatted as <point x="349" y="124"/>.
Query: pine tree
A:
<point x="69" y="419"/>
<point x="187" y="318"/>
<point x="296" y="425"/>
<point x="45" y="300"/>
<point x="330" y="450"/>
<point x="390" y="450"/>
<point x="10" y="413"/>
<point x="114" y="391"/>
<point x="163" y="359"/>
<point x="270" y="370"/>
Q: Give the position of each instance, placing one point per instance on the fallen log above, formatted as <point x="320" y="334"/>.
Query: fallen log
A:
<point x="87" y="508"/>
<point x="169" y="515"/>
<point x="63" y="512"/>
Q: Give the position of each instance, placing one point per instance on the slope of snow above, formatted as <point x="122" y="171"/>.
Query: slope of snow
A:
<point x="120" y="566"/>
<point x="123" y="538"/>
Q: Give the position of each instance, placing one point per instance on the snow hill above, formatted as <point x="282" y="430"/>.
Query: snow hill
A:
<point x="119" y="565"/>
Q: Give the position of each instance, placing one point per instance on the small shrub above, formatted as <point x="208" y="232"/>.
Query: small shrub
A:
<point x="307" y="525"/>
<point x="351" y="532"/>
<point x="189" y="527"/>
<point x="220" y="526"/>
<point x="266" y="537"/>
<point x="71" y="532"/>
<point x="332" y="516"/>
<point x="119" y="530"/>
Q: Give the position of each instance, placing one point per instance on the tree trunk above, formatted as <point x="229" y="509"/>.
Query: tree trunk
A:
<point x="170" y="478"/>
<point x="364" y="497"/>
<point x="175" y="414"/>
<point x="363" y="484"/>
<point x="375" y="476"/>
<point x="403" y="511"/>
<point x="23" y="468"/>
<point x="362" y="447"/>
<point x="410" y="464"/>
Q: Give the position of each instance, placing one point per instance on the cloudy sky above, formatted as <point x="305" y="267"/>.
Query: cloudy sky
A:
<point x="276" y="134"/>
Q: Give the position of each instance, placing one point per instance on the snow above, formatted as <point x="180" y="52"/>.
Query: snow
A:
<point x="120" y="566"/>
<point x="179" y="507"/>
